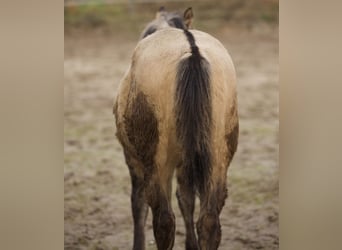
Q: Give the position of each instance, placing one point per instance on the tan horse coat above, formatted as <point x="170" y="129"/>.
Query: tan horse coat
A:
<point x="151" y="81"/>
<point x="155" y="68"/>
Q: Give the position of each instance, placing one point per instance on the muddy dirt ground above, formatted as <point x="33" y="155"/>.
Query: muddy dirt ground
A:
<point x="97" y="183"/>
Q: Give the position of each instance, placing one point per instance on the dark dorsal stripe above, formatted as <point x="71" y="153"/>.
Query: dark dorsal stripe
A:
<point x="191" y="40"/>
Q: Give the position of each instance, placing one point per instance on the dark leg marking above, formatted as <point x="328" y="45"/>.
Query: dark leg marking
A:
<point x="209" y="231"/>
<point x="141" y="127"/>
<point x="164" y="228"/>
<point x="139" y="211"/>
<point x="163" y="217"/>
<point x="186" y="201"/>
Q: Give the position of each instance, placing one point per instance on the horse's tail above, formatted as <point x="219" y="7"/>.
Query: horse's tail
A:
<point x="193" y="115"/>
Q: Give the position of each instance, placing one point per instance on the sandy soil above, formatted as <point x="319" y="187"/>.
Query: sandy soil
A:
<point x="97" y="183"/>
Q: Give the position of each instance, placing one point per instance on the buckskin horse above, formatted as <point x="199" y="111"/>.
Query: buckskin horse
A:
<point x="176" y="110"/>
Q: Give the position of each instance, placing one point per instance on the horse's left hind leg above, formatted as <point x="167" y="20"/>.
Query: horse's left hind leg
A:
<point x="139" y="211"/>
<point x="138" y="203"/>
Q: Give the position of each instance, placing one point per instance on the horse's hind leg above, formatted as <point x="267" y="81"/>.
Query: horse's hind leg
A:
<point x="163" y="217"/>
<point x="186" y="201"/>
<point x="139" y="211"/>
<point x="212" y="202"/>
<point x="208" y="224"/>
<point x="158" y="193"/>
<point x="138" y="203"/>
<point x="145" y="139"/>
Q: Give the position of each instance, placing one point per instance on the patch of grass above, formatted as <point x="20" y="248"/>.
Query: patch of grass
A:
<point x="121" y="18"/>
<point x="91" y="15"/>
<point x="269" y="17"/>
<point x="271" y="13"/>
<point x="132" y="18"/>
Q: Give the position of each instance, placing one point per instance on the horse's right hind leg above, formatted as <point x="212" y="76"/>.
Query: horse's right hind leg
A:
<point x="186" y="201"/>
<point x="212" y="202"/>
<point x="208" y="224"/>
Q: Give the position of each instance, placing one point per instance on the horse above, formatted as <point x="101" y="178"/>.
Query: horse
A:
<point x="176" y="111"/>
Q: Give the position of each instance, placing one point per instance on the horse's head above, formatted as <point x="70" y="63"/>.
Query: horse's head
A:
<point x="166" y="19"/>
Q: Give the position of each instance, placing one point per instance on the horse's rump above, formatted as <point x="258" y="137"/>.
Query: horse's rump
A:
<point x="164" y="59"/>
<point x="191" y="94"/>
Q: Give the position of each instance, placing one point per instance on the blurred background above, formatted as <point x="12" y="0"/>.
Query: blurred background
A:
<point x="99" y="37"/>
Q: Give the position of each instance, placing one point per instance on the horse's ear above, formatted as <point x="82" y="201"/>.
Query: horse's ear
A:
<point x="188" y="16"/>
<point x="160" y="11"/>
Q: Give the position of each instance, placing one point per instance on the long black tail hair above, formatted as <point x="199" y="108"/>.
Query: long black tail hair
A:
<point x="193" y="115"/>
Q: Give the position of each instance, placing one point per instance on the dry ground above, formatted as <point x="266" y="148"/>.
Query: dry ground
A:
<point x="97" y="183"/>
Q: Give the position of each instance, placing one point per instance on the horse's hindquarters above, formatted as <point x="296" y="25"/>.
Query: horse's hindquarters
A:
<point x="149" y="129"/>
